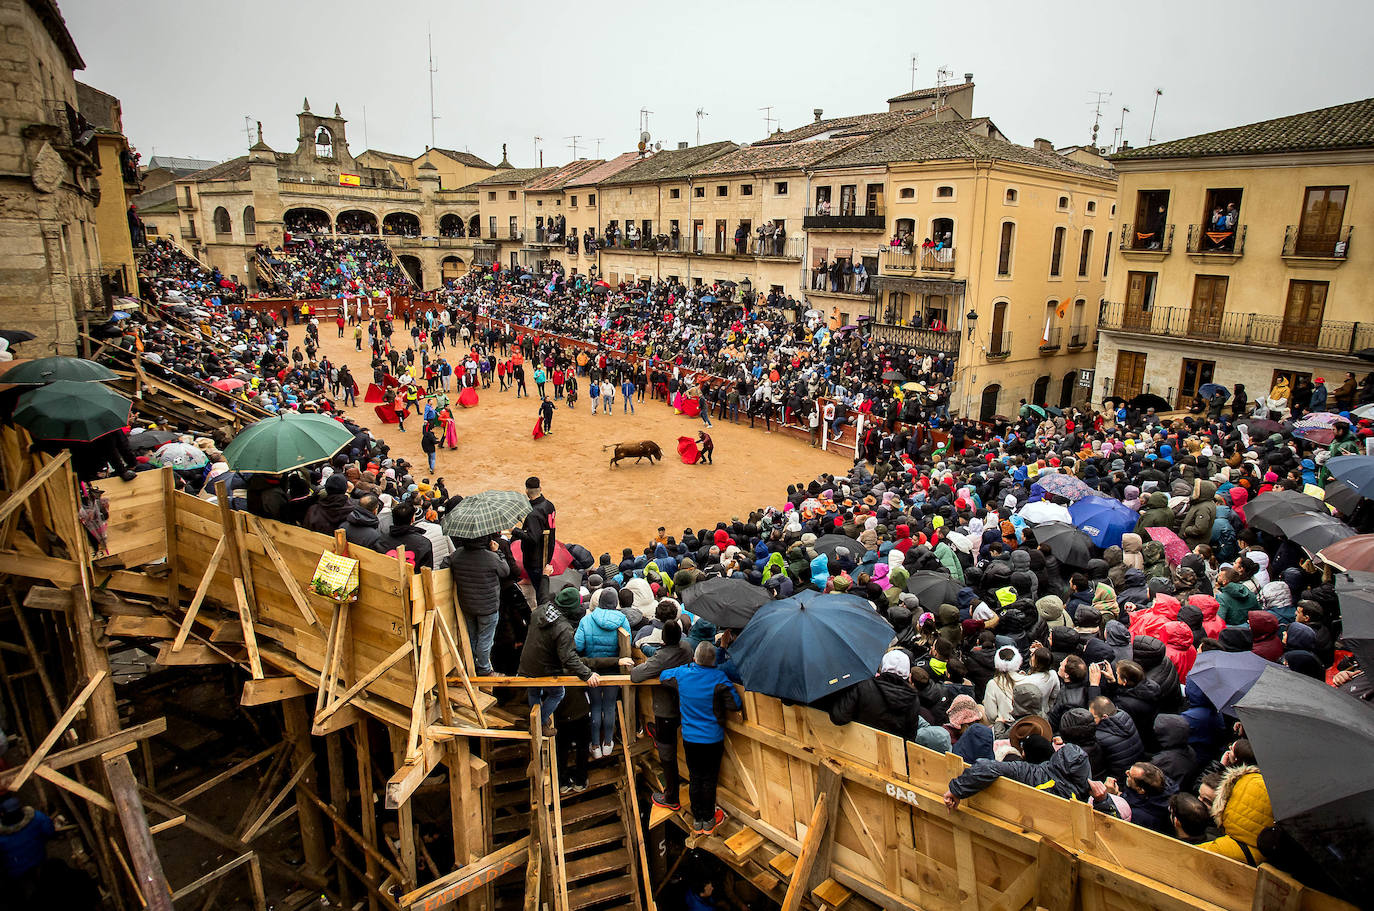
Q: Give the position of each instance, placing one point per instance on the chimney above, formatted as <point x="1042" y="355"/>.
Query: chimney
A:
<point x="682" y="145"/>
<point x="968" y="79"/>
<point x="1044" y="145"/>
<point x="817" y="112"/>
<point x="1124" y="146"/>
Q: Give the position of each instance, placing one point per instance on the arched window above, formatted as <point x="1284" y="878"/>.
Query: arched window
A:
<point x="1063" y="203"/>
<point x="999" y="339"/>
<point x="1084" y="252"/>
<point x="451" y="226"/>
<point x="1057" y="253"/>
<point x="907" y="193"/>
<point x="942" y="232"/>
<point x="945" y="192"/>
<point x="987" y="407"/>
<point x="250" y="221"/>
<point x="1011" y="196"/>
<point x="1041" y="391"/>
<point x="324" y="143"/>
<point x="1004" y="251"/>
<point x="222" y="225"/>
<point x="401" y="223"/>
<point x="1092" y="207"/>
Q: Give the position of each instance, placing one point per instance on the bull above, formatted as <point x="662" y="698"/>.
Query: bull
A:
<point x="637" y="451"/>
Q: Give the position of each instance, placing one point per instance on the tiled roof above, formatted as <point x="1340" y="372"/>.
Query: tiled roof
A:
<point x="845" y="126"/>
<point x="233" y="169"/>
<point x="1345" y="126"/>
<point x="172" y="163"/>
<point x="466" y="158"/>
<point x="669" y="164"/>
<point x="950" y="141"/>
<point x="787" y="157"/>
<point x="931" y="92"/>
<point x="512" y="176"/>
<point x="391" y="156"/>
<point x="560" y="176"/>
<point x="604" y="170"/>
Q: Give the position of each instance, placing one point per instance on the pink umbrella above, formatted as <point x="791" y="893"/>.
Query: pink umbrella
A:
<point x="1175" y="548"/>
<point x="561" y="558"/>
<point x="228" y="385"/>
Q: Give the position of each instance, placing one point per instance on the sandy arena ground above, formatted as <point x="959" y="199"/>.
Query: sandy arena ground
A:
<point x="602" y="508"/>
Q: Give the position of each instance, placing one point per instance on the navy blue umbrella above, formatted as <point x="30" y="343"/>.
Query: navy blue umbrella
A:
<point x="1225" y="677"/>
<point x="811" y="645"/>
<point x="1210" y="391"/>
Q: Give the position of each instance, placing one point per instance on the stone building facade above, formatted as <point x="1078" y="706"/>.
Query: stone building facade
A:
<point x="50" y="258"/>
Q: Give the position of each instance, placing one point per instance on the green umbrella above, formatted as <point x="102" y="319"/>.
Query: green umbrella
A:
<point x="486" y="513"/>
<point x="286" y="442"/>
<point x="71" y="411"/>
<point x="47" y="369"/>
<point x="1033" y="409"/>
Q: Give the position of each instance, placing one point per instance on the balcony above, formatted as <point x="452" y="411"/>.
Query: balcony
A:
<point x="1259" y="330"/>
<point x="936" y="341"/>
<point x="1203" y="242"/>
<point x="541" y="236"/>
<point x="999" y="345"/>
<point x="1078" y="337"/>
<point x="1328" y="248"/>
<point x="1157" y="241"/>
<point x="789" y="249"/>
<point x="921" y="259"/>
<point x="1051" y="342"/>
<point x="658" y="243"/>
<point x="845" y="218"/>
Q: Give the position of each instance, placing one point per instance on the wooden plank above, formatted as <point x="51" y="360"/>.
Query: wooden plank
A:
<point x="423" y="667"/>
<point x="448" y="732"/>
<point x="410" y="775"/>
<point x="273" y="689"/>
<point x="100" y="746"/>
<point x="250" y="639"/>
<point x="29" y="487"/>
<point x="167" y="824"/>
<point x="831" y="894"/>
<point x="367" y="794"/>
<point x="362" y="683"/>
<point x="1276" y="890"/>
<point x="199" y="598"/>
<point x="405" y="818"/>
<point x="467" y="878"/>
<point x="633" y="823"/>
<point x="44" y="746"/>
<point x="829" y="785"/>
<point x="461" y="658"/>
<point x="141" y="628"/>
<point x="810" y="850"/>
<point x="333" y="656"/>
<point x="275" y="802"/>
<point x="195" y="653"/>
<point x="284" y="570"/>
<point x="169" y="531"/>
<point x="63" y="573"/>
<point x="743" y="843"/>
<point x="965" y="869"/>
<point x="80" y="790"/>
<point x="203" y="881"/>
<point x="1057" y="887"/>
<point x="152" y="882"/>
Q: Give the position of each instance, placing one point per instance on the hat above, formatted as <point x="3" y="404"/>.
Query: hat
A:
<point x="1026" y="727"/>
<point x="963" y="710"/>
<point x="896" y="662"/>
<point x="532" y="483"/>
<point x="336" y="483"/>
<point x="1007" y="660"/>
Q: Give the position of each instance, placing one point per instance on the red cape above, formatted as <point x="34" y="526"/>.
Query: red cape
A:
<point x="539" y="428"/>
<point x="468" y="397"/>
<point x="687" y="449"/>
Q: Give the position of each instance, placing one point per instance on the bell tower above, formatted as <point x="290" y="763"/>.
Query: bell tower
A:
<point x="323" y="140"/>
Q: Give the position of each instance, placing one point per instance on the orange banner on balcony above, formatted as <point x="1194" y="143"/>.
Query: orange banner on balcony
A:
<point x="350" y="180"/>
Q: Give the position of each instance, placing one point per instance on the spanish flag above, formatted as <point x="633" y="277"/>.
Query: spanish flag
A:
<point x="350" y="180"/>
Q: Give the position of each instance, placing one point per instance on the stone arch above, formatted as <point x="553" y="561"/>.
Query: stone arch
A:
<point x="405" y="224"/>
<point x="1066" y="387"/>
<point x="987" y="407"/>
<point x="306" y="220"/>
<point x="324" y="143"/>
<point x="452" y="225"/>
<point x="222" y="224"/>
<point x="452" y="268"/>
<point x="414" y="268"/>
<point x="1040" y="392"/>
<point x="474" y="225"/>
<point x="355" y="221"/>
<point x="250" y="221"/>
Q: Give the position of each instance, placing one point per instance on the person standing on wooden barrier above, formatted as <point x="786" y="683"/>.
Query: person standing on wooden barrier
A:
<point x="667" y="719"/>
<point x="549" y="651"/>
<point x="704" y="694"/>
<point x="537" y="539"/>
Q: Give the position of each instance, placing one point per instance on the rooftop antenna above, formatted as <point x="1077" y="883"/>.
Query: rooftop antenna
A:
<point x="701" y="112"/>
<point x="1151" y="139"/>
<point x="915" y="58"/>
<point x="598" y="141"/>
<point x="537" y="153"/>
<point x="1121" y="129"/>
<point x="942" y="77"/>
<point x="574" y="139"/>
<point x="644" y="119"/>
<point x="248" y="128"/>
<point x="432" y="70"/>
<point x="1097" y="111"/>
<point x="768" y="120"/>
<point x="366" y="144"/>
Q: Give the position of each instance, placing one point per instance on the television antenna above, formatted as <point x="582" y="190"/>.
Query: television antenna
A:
<point x="598" y="141"/>
<point x="915" y="58"/>
<point x="701" y="112"/>
<point x="432" y="70"/>
<point x="1150" y="140"/>
<point x="539" y="156"/>
<point x="1121" y="129"/>
<point x="768" y="120"/>
<point x="574" y="139"/>
<point x="248" y="129"/>
<point x="1097" y="111"/>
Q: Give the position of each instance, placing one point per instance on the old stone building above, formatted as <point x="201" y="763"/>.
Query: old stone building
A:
<point x="50" y="259"/>
<point x="117" y="225"/>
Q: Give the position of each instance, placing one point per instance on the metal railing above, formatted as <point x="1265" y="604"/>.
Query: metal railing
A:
<point x="761" y="248"/>
<point x="999" y="344"/>
<point x="841" y="216"/>
<point x="1325" y="246"/>
<point x="918" y="259"/>
<point x="1051" y="341"/>
<point x="1078" y="336"/>
<point x="543" y="234"/>
<point x="1203" y="241"/>
<point x="1256" y="329"/>
<point x="1156" y="240"/>
<point x="936" y="341"/>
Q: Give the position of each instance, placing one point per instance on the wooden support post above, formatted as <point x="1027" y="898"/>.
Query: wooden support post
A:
<point x="423" y="667"/>
<point x="41" y="751"/>
<point x="635" y="823"/>
<point x="210" y="569"/>
<point x="152" y="882"/>
<point x="169" y="525"/>
<point x="797" y="889"/>
<point x="338" y="796"/>
<point x="334" y="648"/>
<point x="250" y="637"/>
<point x="829" y="784"/>
<point x="461" y="659"/>
<point x="627" y="694"/>
<point x="367" y="794"/>
<point x="405" y="648"/>
<point x="233" y="543"/>
<point x="297" y="719"/>
<point x="405" y="820"/>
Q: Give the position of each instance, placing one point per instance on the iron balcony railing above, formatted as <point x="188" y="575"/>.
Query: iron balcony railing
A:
<point x="1051" y="341"/>
<point x="1317" y="246"/>
<point x="1254" y="329"/>
<point x="1203" y="241"/>
<point x="545" y="235"/>
<point x="936" y="341"/>
<point x="762" y="248"/>
<point x="840" y="216"/>
<point x="1079" y="336"/>
<point x="999" y="344"/>
<point x="917" y="259"/>
<point x="1147" y="239"/>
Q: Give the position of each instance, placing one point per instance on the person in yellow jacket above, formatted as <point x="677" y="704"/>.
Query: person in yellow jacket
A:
<point x="1242" y="810"/>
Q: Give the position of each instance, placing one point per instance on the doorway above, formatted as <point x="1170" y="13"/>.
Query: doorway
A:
<point x="987" y="407"/>
<point x="1323" y="211"/>
<point x="1303" y="312"/>
<point x="1130" y="375"/>
<point x="1194" y="376"/>
<point x="1066" y="387"/>
<point x="1209" y="305"/>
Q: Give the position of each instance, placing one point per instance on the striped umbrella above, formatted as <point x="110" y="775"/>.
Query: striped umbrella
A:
<point x="1063" y="485"/>
<point x="1318" y="427"/>
<point x="486" y="513"/>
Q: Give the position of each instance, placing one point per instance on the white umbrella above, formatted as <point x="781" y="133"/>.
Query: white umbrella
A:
<point x="1042" y="511"/>
<point x="1364" y="411"/>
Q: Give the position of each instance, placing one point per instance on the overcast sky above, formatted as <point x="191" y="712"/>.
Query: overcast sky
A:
<point x="188" y="71"/>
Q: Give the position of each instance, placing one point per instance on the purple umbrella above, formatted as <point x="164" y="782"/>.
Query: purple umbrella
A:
<point x="1063" y="485"/>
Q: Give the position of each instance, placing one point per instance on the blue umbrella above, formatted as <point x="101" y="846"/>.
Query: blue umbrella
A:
<point x="1224" y="677"/>
<point x="1211" y="391"/>
<point x="811" y="645"/>
<point x="1355" y="471"/>
<point x="708" y="299"/>
<point x="1104" y="519"/>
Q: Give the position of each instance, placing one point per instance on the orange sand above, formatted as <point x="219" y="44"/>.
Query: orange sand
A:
<point x="602" y="508"/>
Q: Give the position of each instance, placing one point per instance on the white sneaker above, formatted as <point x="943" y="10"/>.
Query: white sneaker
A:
<point x="596" y="751"/>
<point x="608" y="749"/>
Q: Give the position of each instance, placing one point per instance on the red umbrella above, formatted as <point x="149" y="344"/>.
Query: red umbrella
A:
<point x="687" y="448"/>
<point x="228" y="385"/>
<point x="1175" y="548"/>
<point x="468" y="397"/>
<point x="561" y="559"/>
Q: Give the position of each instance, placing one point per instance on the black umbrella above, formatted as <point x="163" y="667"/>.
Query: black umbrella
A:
<point x="1342" y="496"/>
<point x="1067" y="542"/>
<point x="149" y="440"/>
<point x="894" y="376"/>
<point x="1308" y="738"/>
<point x="933" y="588"/>
<point x="729" y="603"/>
<point x="1265" y="511"/>
<point x="15" y="336"/>
<point x="1313" y="531"/>
<point x="827" y="544"/>
<point x="1260" y="427"/>
<point x="1357" y="629"/>
<point x="1355" y="470"/>
<point x="1149" y="400"/>
<point x="1225" y="677"/>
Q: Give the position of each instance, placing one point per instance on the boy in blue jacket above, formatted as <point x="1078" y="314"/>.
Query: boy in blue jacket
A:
<point x="704" y="694"/>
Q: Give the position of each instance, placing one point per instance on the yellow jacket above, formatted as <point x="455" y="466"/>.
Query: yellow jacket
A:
<point x="1242" y="810"/>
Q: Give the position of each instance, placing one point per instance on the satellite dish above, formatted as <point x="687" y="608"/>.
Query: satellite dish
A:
<point x="644" y="136"/>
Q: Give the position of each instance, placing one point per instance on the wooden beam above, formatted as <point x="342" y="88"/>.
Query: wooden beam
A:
<point x="250" y="638"/>
<point x="152" y="882"/>
<point x="199" y="598"/>
<point x="140" y="628"/>
<point x="410" y="775"/>
<point x="75" y="787"/>
<point x="367" y="794"/>
<point x="568" y="680"/>
<point x="297" y="720"/>
<point x="169" y="525"/>
<point x="41" y="752"/>
<point x="1276" y="890"/>
<point x="633" y="823"/>
<point x="448" y="732"/>
<point x="92" y="749"/>
<point x="63" y="573"/>
<point x="273" y="689"/>
<point x="405" y="817"/>
<point x="333" y="656"/>
<point x="272" y="805"/>
<point x="811" y="845"/>
<point x="213" y="875"/>
<point x="1057" y="878"/>
<point x="284" y="570"/>
<point x="423" y="667"/>
<point x="830" y="784"/>
<point x="467" y="878"/>
<point x="195" y="653"/>
<point x="30" y="487"/>
<point x="460" y="656"/>
<point x="167" y="824"/>
<point x="385" y="665"/>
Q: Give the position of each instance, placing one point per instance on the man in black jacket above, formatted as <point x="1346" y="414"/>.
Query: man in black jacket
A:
<point x="550" y="652"/>
<point x="479" y="568"/>
<point x="362" y="527"/>
<point x="537" y="539"/>
<point x="672" y="653"/>
<point x="403" y="534"/>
